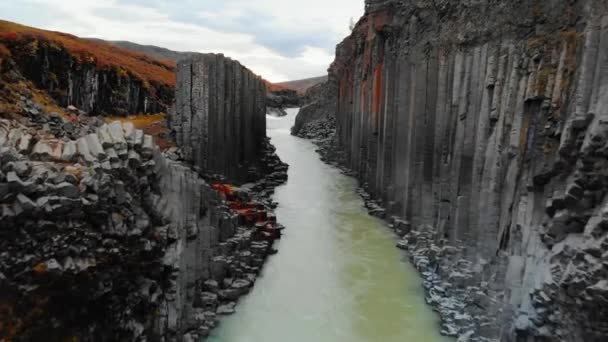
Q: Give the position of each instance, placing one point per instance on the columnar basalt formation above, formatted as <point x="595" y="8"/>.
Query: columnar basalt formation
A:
<point x="104" y="237"/>
<point x="107" y="238"/>
<point x="220" y="115"/>
<point x="479" y="130"/>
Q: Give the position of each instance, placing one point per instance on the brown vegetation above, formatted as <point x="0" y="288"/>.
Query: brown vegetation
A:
<point x="143" y="67"/>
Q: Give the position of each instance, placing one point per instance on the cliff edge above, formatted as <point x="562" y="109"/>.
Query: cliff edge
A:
<point x="478" y="129"/>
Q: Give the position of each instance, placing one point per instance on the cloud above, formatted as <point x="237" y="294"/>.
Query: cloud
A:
<point x="279" y="40"/>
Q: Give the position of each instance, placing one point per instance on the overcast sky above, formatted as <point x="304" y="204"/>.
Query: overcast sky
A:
<point x="278" y="39"/>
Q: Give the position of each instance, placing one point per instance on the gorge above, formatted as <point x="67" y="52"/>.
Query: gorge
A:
<point x="457" y="163"/>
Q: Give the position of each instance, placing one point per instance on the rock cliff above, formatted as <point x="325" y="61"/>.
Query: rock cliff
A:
<point x="478" y="128"/>
<point x="220" y="116"/>
<point x="105" y="237"/>
<point x="319" y="105"/>
<point x="96" y="77"/>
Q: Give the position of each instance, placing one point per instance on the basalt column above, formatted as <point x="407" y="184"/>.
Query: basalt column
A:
<point x="481" y="128"/>
<point x="220" y="117"/>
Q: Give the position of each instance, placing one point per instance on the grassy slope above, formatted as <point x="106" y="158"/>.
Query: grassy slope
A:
<point x="141" y="66"/>
<point x="302" y="85"/>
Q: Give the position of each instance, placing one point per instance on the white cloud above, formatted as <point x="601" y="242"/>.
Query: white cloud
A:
<point x="255" y="43"/>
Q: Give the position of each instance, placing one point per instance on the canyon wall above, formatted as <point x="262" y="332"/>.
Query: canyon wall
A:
<point x="104" y="237"/>
<point x="83" y="84"/>
<point x="220" y="115"/>
<point x="479" y="130"/>
<point x="96" y="77"/>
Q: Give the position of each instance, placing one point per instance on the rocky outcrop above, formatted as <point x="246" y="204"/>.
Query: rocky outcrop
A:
<point x="302" y="85"/>
<point x="278" y="100"/>
<point x="319" y="107"/>
<point x="95" y="77"/>
<point x="220" y="116"/>
<point x="107" y="238"/>
<point x="478" y="131"/>
<point x="104" y="237"/>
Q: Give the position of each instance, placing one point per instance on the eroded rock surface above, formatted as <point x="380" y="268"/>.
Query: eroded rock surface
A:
<point x="220" y="115"/>
<point x="477" y="129"/>
<point x="104" y="237"/>
<point x="124" y="237"/>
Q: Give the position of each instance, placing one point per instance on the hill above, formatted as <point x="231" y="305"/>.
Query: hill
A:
<point x="97" y="77"/>
<point x="160" y="52"/>
<point x="150" y="50"/>
<point x="301" y="86"/>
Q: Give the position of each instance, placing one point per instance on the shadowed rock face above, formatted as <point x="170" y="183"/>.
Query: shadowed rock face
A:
<point x="319" y="105"/>
<point x="479" y="129"/>
<point x="104" y="237"/>
<point x="220" y="116"/>
<point x="82" y="83"/>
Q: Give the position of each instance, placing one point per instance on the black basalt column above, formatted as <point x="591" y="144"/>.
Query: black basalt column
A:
<point x="220" y="116"/>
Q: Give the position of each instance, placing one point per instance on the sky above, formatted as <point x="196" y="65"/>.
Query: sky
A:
<point x="278" y="39"/>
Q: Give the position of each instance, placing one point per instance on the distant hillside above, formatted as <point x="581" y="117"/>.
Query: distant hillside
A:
<point x="302" y="85"/>
<point x="299" y="86"/>
<point x="176" y="56"/>
<point x="94" y="76"/>
<point x="150" y="50"/>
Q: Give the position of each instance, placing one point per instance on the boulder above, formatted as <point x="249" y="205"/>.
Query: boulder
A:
<point x="147" y="147"/>
<point x="4" y="129"/>
<point x="95" y="147"/>
<point x="68" y="190"/>
<point x="128" y="129"/>
<point x="25" y="144"/>
<point x="83" y="150"/>
<point x="104" y="136"/>
<point x="42" y="150"/>
<point x="25" y="203"/>
<point x="69" y="151"/>
<point x="118" y="135"/>
<point x="138" y="138"/>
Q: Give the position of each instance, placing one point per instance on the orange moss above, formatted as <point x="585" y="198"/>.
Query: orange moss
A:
<point x="549" y="147"/>
<point x="570" y="38"/>
<point x="14" y="321"/>
<point x="48" y="103"/>
<point x="74" y="171"/>
<point x="40" y="268"/>
<point x="10" y="97"/>
<point x="567" y="39"/>
<point x="364" y="96"/>
<point x="381" y="19"/>
<point x="4" y="52"/>
<point x="251" y="213"/>
<point x="153" y="124"/>
<point x="523" y="137"/>
<point x="224" y="189"/>
<point x="140" y="121"/>
<point x="143" y="67"/>
<point x="274" y="86"/>
<point x="543" y="78"/>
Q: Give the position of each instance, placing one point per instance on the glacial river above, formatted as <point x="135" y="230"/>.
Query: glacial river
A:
<point x="338" y="276"/>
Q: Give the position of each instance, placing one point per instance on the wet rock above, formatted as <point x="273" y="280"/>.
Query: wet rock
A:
<point x="226" y="309"/>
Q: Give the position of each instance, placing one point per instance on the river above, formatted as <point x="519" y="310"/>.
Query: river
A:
<point x="338" y="276"/>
